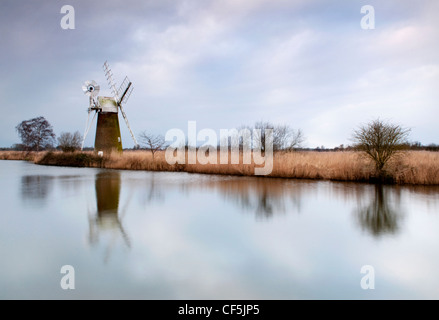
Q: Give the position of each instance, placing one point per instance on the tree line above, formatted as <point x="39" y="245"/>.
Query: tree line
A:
<point x="37" y="134"/>
<point x="380" y="141"/>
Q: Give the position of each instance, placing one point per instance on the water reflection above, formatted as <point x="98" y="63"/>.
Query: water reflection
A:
<point x="107" y="220"/>
<point x="70" y="184"/>
<point x="379" y="216"/>
<point x="154" y="190"/>
<point x="264" y="197"/>
<point x="268" y="197"/>
<point x="196" y="236"/>
<point x="36" y="187"/>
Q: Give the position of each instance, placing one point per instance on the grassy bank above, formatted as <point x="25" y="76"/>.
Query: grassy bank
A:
<point x="416" y="167"/>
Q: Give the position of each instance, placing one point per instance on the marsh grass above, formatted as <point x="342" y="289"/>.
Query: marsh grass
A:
<point x="70" y="159"/>
<point x="413" y="167"/>
<point x="18" y="155"/>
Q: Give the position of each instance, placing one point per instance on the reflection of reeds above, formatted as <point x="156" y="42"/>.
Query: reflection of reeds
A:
<point x="416" y="167"/>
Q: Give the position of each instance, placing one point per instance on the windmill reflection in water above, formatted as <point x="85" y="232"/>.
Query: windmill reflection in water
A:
<point x="106" y="220"/>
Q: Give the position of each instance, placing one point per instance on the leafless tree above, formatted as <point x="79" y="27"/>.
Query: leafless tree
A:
<point x="289" y="139"/>
<point x="380" y="141"/>
<point x="152" y="142"/>
<point x="284" y="137"/>
<point x="69" y="142"/>
<point x="36" y="133"/>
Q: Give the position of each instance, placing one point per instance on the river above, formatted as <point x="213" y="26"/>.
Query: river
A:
<point x="159" y="235"/>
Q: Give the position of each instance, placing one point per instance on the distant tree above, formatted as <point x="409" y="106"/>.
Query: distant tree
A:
<point x="284" y="137"/>
<point x="18" y="147"/>
<point x="36" y="133"/>
<point x="152" y="142"/>
<point x="432" y="147"/>
<point x="416" y="145"/>
<point x="69" y="142"/>
<point x="380" y="141"/>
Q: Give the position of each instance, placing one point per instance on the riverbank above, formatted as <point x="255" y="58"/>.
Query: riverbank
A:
<point x="414" y="168"/>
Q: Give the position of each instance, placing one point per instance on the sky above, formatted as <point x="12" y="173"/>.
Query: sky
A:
<point x="308" y="64"/>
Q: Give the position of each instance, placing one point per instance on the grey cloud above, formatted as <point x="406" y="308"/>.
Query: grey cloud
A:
<point x="224" y="63"/>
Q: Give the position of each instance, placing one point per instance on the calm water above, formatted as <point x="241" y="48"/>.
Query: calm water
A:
<point x="152" y="235"/>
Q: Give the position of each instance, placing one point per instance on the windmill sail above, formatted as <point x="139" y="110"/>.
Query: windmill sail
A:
<point x="125" y="89"/>
<point x="110" y="79"/>
<point x="128" y="125"/>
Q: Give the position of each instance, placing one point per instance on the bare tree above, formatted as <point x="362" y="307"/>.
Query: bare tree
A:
<point x="290" y="139"/>
<point x="380" y="141"/>
<point x="36" y="133"/>
<point x="152" y="142"/>
<point x="284" y="137"/>
<point x="69" y="142"/>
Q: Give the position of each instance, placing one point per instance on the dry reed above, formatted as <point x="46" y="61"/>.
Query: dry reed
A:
<point x="415" y="167"/>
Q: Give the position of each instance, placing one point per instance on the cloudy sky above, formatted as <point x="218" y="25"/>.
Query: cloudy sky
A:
<point x="224" y="63"/>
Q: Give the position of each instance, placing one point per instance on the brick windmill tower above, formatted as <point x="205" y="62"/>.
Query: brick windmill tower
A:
<point x="108" y="137"/>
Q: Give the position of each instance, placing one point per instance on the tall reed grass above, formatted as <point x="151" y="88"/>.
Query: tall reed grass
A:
<point x="414" y="167"/>
<point x="19" y="155"/>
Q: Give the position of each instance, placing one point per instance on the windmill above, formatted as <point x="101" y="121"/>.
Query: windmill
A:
<point x="107" y="110"/>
